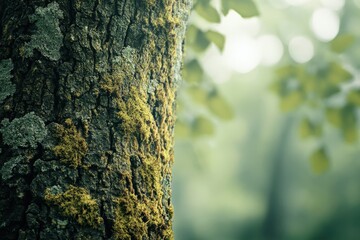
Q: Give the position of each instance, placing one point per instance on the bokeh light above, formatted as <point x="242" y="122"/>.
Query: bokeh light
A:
<point x="325" y="24"/>
<point x="301" y="49"/>
<point x="242" y="53"/>
<point x="271" y="49"/>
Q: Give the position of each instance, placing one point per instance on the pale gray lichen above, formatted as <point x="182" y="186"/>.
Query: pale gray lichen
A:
<point x="26" y="131"/>
<point x="7" y="87"/>
<point x="48" y="38"/>
<point x="127" y="58"/>
<point x="15" y="166"/>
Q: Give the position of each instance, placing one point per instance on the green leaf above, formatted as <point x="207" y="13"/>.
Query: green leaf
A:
<point x="327" y="90"/>
<point x="220" y="107"/>
<point x="217" y="38"/>
<point x="319" y="161"/>
<point x="191" y="34"/>
<point x="193" y="71"/>
<point x="354" y="97"/>
<point x="198" y="94"/>
<point x="349" y="126"/>
<point x="201" y="42"/>
<point x="246" y="8"/>
<point x="286" y="71"/>
<point x="309" y="129"/>
<point x="345" y="119"/>
<point x="338" y="74"/>
<point x="225" y="7"/>
<point x="182" y="129"/>
<point x="334" y="116"/>
<point x="305" y="128"/>
<point x="342" y="42"/>
<point x="208" y="12"/>
<point x="291" y="101"/>
<point x="202" y="126"/>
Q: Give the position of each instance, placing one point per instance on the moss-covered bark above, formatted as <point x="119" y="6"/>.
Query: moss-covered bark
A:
<point x="87" y="113"/>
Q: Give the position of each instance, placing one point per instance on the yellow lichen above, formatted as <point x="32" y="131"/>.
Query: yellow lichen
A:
<point x="77" y="203"/>
<point x="135" y="114"/>
<point x="134" y="216"/>
<point x="72" y="147"/>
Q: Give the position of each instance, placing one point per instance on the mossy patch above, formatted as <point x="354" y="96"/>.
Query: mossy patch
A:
<point x="72" y="147"/>
<point x="76" y="202"/>
<point x="135" y="216"/>
<point x="7" y="87"/>
<point x="123" y="69"/>
<point x="135" y="114"/>
<point x="26" y="131"/>
<point x="48" y="38"/>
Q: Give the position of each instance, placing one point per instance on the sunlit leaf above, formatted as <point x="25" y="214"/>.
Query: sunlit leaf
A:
<point x="319" y="161"/>
<point x="354" y="97"/>
<point x="220" y="107"/>
<point x="338" y="74"/>
<point x="285" y="71"/>
<point x="276" y="87"/>
<point x="349" y="126"/>
<point x="191" y="34"/>
<point x="182" y="129"/>
<point x="291" y="101"/>
<point x="342" y="42"/>
<point x="309" y="129"/>
<point x="217" y="38"/>
<point x="305" y="128"/>
<point x="208" y="12"/>
<point x="329" y="90"/>
<point x="225" y="7"/>
<point x="345" y="119"/>
<point x="201" y="42"/>
<point x="310" y="84"/>
<point x="246" y="8"/>
<point x="198" y="94"/>
<point x="334" y="117"/>
<point x="202" y="126"/>
<point x="193" y="72"/>
<point x="350" y="133"/>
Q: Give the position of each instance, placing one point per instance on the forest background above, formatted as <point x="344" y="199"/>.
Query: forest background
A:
<point x="268" y="121"/>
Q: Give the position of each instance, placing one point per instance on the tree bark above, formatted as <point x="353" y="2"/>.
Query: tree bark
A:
<point x="87" y="117"/>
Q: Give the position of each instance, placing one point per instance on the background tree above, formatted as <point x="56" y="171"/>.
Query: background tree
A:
<point x="87" y="117"/>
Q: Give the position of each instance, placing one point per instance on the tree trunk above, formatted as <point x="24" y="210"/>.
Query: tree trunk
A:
<point x="87" y="94"/>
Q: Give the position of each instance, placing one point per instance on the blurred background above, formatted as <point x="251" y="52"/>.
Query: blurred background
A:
<point x="268" y="120"/>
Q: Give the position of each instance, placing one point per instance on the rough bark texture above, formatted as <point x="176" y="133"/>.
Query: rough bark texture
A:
<point x="87" y="115"/>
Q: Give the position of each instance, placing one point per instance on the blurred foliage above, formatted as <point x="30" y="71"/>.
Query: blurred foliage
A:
<point x="240" y="149"/>
<point x="198" y="85"/>
<point x="321" y="93"/>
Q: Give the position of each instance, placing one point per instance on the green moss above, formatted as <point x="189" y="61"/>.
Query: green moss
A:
<point x="123" y="70"/>
<point x="7" y="87"/>
<point x="134" y="216"/>
<point x="76" y="202"/>
<point x="135" y="114"/>
<point x="26" y="131"/>
<point x="48" y="38"/>
<point x="72" y="147"/>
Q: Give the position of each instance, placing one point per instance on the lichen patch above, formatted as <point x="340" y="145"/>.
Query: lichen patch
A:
<point x="26" y="131"/>
<point x="72" y="145"/>
<point x="77" y="203"/>
<point x="48" y="38"/>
